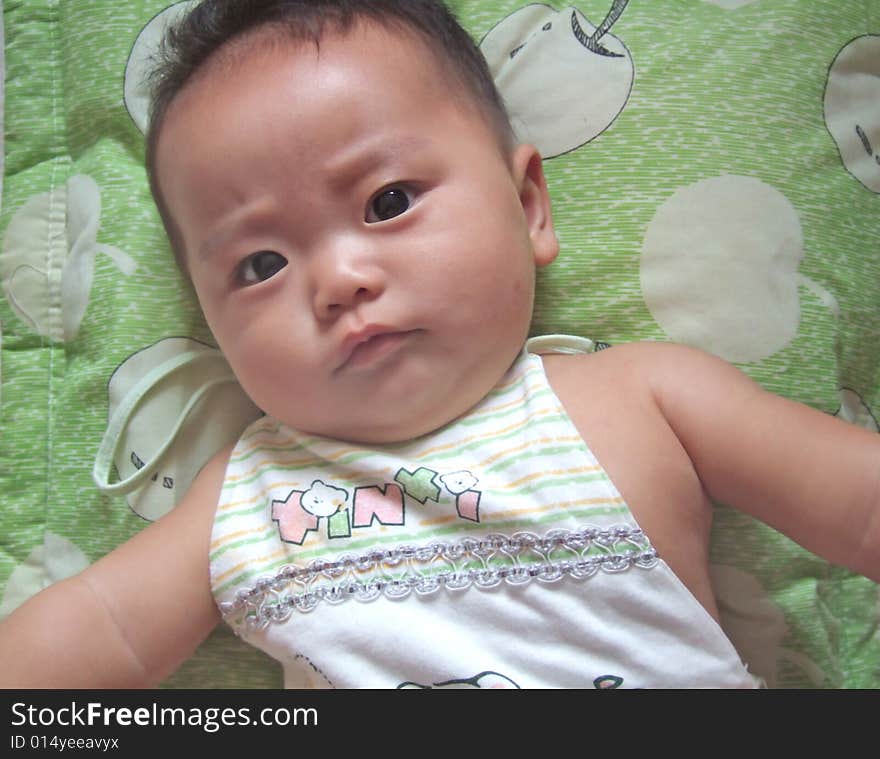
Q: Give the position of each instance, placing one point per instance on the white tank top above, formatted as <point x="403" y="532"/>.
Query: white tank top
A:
<point x="495" y="552"/>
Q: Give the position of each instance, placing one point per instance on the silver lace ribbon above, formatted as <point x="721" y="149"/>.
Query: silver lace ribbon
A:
<point x="484" y="562"/>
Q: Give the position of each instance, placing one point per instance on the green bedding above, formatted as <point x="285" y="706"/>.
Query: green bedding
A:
<point x="715" y="171"/>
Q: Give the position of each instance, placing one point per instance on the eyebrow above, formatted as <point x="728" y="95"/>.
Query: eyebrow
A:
<point x="361" y="158"/>
<point x="230" y="225"/>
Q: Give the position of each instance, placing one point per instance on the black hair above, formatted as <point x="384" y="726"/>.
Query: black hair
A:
<point x="213" y="24"/>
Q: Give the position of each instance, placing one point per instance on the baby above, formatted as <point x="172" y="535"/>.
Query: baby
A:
<point x="430" y="499"/>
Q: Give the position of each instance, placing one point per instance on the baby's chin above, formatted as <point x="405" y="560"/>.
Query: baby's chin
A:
<point x="403" y="402"/>
<point x="372" y="424"/>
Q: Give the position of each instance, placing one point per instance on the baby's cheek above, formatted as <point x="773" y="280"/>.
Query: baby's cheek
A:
<point x="519" y="296"/>
<point x="262" y="370"/>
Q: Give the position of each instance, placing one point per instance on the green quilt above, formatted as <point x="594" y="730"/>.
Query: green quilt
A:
<point x="715" y="171"/>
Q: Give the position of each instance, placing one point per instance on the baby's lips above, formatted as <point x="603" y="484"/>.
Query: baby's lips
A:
<point x="364" y="341"/>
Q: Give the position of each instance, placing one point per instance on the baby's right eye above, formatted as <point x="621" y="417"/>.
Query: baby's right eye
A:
<point x="260" y="266"/>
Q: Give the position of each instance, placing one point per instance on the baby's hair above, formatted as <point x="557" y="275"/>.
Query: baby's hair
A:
<point x="233" y="25"/>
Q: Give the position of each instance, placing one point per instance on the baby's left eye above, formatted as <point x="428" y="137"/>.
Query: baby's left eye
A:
<point x="388" y="203"/>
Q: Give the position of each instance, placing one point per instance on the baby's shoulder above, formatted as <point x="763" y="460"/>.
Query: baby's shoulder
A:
<point x="653" y="398"/>
<point x="637" y="372"/>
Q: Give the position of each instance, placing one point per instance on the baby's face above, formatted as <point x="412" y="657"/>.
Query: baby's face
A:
<point x="362" y="248"/>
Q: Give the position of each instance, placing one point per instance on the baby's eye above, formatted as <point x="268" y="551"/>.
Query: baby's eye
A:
<point x="260" y="266"/>
<point x="390" y="202"/>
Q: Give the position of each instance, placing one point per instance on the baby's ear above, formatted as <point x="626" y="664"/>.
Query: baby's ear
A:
<point x="528" y="173"/>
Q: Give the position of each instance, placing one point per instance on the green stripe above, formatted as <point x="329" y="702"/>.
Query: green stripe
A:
<point x="550" y="450"/>
<point x="312" y="463"/>
<point x="283" y="449"/>
<point x="229" y="515"/>
<point x="268" y="533"/>
<point x="534" y="487"/>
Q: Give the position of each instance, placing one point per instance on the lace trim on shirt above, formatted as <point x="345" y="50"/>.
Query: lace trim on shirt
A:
<point x="485" y="562"/>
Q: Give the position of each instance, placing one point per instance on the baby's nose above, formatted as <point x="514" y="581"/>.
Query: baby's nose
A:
<point x="345" y="282"/>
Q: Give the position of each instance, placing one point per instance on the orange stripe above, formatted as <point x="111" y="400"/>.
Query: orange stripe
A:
<point x="529" y="444"/>
<point x="220" y="542"/>
<point x="262" y="494"/>
<point x="553" y="472"/>
<point x="245" y="564"/>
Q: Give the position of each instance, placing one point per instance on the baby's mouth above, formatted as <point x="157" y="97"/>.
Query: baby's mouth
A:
<point x="372" y="346"/>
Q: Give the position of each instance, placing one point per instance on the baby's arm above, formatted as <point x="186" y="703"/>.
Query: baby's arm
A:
<point x="131" y="618"/>
<point x="809" y="475"/>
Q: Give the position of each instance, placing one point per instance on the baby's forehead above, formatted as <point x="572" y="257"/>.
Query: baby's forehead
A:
<point x="278" y="40"/>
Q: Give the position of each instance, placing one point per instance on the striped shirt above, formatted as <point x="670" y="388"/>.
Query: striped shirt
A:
<point x="506" y="502"/>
